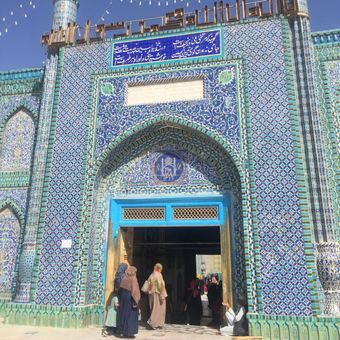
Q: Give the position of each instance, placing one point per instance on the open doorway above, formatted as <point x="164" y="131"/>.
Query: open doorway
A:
<point x="185" y="253"/>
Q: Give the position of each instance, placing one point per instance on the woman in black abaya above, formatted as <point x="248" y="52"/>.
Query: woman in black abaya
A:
<point x="129" y="296"/>
<point x="194" y="304"/>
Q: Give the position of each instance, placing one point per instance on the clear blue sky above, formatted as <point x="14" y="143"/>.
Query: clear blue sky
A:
<point x="20" y="46"/>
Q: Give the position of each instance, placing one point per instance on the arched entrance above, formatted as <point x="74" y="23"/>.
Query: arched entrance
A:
<point x="189" y="235"/>
<point x="10" y="239"/>
<point x="130" y="172"/>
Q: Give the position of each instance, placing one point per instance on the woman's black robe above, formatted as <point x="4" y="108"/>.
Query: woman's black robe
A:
<point x="127" y="318"/>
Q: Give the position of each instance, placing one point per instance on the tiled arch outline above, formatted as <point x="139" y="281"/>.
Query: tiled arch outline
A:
<point x="151" y="142"/>
<point x="11" y="204"/>
<point x="33" y="114"/>
<point x="167" y="118"/>
<point x="125" y="148"/>
<point x="243" y="163"/>
<point x="22" y="106"/>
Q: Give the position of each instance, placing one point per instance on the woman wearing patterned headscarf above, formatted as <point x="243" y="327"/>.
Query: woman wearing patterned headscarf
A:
<point x="129" y="296"/>
<point x="157" y="298"/>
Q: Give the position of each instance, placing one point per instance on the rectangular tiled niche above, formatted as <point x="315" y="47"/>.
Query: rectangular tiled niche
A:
<point x="165" y="92"/>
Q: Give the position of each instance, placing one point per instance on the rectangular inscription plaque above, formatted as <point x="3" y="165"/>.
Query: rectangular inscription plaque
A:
<point x="191" y="45"/>
<point x="167" y="92"/>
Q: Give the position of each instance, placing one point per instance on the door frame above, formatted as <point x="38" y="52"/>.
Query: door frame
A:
<point x="115" y="248"/>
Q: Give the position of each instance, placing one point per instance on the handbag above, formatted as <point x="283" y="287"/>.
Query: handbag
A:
<point x="146" y="287"/>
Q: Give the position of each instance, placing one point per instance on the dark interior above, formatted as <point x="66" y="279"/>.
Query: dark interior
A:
<point x="175" y="248"/>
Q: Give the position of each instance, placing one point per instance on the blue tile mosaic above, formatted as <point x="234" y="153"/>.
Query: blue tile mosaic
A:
<point x="55" y="286"/>
<point x="13" y="204"/>
<point x="218" y="110"/>
<point x="9" y="241"/>
<point x="18" y="196"/>
<point x="17" y="143"/>
<point x="284" y="278"/>
<point x="206" y="170"/>
<point x="284" y="282"/>
<point x="9" y="104"/>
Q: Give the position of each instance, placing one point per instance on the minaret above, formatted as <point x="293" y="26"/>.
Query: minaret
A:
<point x="64" y="12"/>
<point x="302" y="7"/>
<point x="294" y="7"/>
<point x="323" y="216"/>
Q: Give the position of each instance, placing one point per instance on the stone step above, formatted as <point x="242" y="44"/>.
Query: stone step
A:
<point x="246" y="338"/>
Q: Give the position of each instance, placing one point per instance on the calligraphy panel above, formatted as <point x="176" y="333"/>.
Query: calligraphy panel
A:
<point x="184" y="46"/>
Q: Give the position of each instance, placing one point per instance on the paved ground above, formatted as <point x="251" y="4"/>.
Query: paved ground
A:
<point x="171" y="332"/>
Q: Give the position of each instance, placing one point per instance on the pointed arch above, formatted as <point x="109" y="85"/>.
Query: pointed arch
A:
<point x="16" y="141"/>
<point x="15" y="207"/>
<point x="174" y="121"/>
<point x="21" y="105"/>
<point x="126" y="146"/>
<point x="11" y="223"/>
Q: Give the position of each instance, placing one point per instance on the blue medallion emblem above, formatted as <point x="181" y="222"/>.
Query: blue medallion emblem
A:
<point x="168" y="168"/>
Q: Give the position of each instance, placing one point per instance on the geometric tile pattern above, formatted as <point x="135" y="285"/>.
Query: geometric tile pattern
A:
<point x="29" y="248"/>
<point x="133" y="176"/>
<point x="9" y="241"/>
<point x="284" y="280"/>
<point x="327" y="56"/>
<point x="15" y="195"/>
<point x="283" y="284"/>
<point x="19" y="107"/>
<point x="218" y="110"/>
<point x="17" y="143"/>
<point x="55" y="278"/>
<point x="138" y="175"/>
<point x="333" y="77"/>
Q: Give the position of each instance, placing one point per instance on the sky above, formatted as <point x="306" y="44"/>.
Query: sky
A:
<point x="27" y="20"/>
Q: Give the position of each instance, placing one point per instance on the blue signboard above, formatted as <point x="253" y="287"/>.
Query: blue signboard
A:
<point x="191" y="45"/>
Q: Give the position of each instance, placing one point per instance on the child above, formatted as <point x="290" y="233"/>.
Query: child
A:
<point x="111" y="317"/>
<point x="238" y="323"/>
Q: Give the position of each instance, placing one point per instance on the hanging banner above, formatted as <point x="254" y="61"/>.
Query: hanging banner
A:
<point x="167" y="48"/>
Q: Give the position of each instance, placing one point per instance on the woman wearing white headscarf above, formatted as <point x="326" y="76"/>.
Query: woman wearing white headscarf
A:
<point x="157" y="298"/>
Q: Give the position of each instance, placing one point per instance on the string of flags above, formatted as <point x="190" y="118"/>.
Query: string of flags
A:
<point x="182" y="3"/>
<point x="18" y="14"/>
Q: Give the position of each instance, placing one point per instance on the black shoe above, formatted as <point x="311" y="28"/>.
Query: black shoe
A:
<point x="149" y="327"/>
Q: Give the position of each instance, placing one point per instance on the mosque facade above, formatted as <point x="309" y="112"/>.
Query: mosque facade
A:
<point x="225" y="119"/>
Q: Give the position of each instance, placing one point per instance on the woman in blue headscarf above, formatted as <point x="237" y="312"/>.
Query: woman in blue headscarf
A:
<point x="120" y="274"/>
<point x="111" y="321"/>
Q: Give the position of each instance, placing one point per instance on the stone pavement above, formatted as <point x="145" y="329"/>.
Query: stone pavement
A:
<point x="170" y="332"/>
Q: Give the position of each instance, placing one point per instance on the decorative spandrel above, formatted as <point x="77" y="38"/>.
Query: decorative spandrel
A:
<point x="192" y="45"/>
<point x="218" y="110"/>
